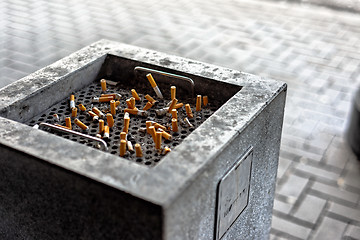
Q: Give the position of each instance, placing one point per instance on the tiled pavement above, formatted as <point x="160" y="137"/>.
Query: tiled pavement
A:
<point x="314" y="49"/>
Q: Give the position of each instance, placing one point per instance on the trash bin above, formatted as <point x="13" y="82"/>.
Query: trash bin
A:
<point x="213" y="178"/>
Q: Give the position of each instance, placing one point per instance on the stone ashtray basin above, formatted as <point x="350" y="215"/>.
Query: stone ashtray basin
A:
<point x="218" y="182"/>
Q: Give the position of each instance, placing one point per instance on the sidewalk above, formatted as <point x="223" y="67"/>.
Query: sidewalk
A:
<point x="315" y="50"/>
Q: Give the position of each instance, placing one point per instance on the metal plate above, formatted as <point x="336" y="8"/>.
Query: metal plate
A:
<point x="233" y="193"/>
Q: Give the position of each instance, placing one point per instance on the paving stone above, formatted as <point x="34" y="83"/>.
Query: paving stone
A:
<point x="282" y="207"/>
<point x="345" y="211"/>
<point x="352" y="172"/>
<point x="330" y="229"/>
<point x="290" y="228"/>
<point x="283" y="166"/>
<point x="352" y="232"/>
<point x="331" y="192"/>
<point x="317" y="171"/>
<point x="293" y="186"/>
<point x="310" y="209"/>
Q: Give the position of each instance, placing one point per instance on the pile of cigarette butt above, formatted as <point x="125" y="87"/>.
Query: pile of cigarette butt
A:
<point x="105" y="108"/>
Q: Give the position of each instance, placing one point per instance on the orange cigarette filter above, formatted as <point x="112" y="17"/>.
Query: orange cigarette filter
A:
<point x="68" y="123"/>
<point x="122" y="147"/>
<point x="166" y="150"/>
<point x="157" y="125"/>
<point x="98" y="112"/>
<point x="131" y="111"/>
<point x="104" y="99"/>
<point x="148" y="124"/>
<point x="82" y="107"/>
<point x="103" y="85"/>
<point x="115" y="96"/>
<point x="110" y="120"/>
<point x="150" y="99"/>
<point x="106" y="132"/>
<point x="117" y="103"/>
<point x="174" y="113"/>
<point x="135" y="95"/>
<point x="91" y="113"/>
<point x="152" y="132"/>
<point x="198" y="103"/>
<point x="173" y="92"/>
<point x="174" y="124"/>
<point x="158" y="138"/>
<point x="172" y="105"/>
<point x="148" y="106"/>
<point x="138" y="150"/>
<point x="126" y="124"/>
<point x="132" y="101"/>
<point x="179" y="105"/>
<point x="74" y="112"/>
<point x="112" y="107"/>
<point x="123" y="136"/>
<point x="101" y="126"/>
<point x="205" y="100"/>
<point x="166" y="135"/>
<point x="81" y="124"/>
<point x="61" y="126"/>
<point x="188" y="111"/>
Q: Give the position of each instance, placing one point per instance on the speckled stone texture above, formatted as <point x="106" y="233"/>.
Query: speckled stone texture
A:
<point x="51" y="187"/>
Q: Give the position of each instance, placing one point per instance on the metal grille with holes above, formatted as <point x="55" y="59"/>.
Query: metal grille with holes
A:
<point x="150" y="155"/>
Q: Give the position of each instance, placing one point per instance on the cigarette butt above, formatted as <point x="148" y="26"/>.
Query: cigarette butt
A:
<point x="56" y="117"/>
<point x="103" y="85"/>
<point x="101" y="126"/>
<point x="115" y="96"/>
<point x="157" y="125"/>
<point x="166" y="151"/>
<point x="173" y="92"/>
<point x="112" y="107"/>
<point x="148" y="124"/>
<point x="154" y="86"/>
<point x="82" y="107"/>
<point x="151" y="80"/>
<point x="148" y="106"/>
<point x="198" y="103"/>
<point x="55" y="125"/>
<point x="68" y="123"/>
<point x="72" y="101"/>
<point x="110" y="120"/>
<point x="126" y="124"/>
<point x="81" y="124"/>
<point x="106" y="132"/>
<point x="132" y="101"/>
<point x="123" y="135"/>
<point x="138" y="150"/>
<point x="188" y="111"/>
<point x="130" y="146"/>
<point x="166" y="135"/>
<point x="187" y="122"/>
<point x="150" y="99"/>
<point x="152" y="132"/>
<point x="174" y="125"/>
<point x="98" y="112"/>
<point x="205" y="100"/>
<point x="129" y="104"/>
<point x="179" y="105"/>
<point x="117" y="103"/>
<point x="74" y="112"/>
<point x="136" y="111"/>
<point x="122" y="147"/>
<point x="135" y="95"/>
<point x="174" y="113"/>
<point x="172" y="105"/>
<point x="102" y="99"/>
<point x="158" y="137"/>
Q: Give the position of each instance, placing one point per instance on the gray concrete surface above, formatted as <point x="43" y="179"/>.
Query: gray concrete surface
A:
<point x="314" y="49"/>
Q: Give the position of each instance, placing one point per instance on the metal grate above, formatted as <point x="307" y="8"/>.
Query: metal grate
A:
<point x="151" y="156"/>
